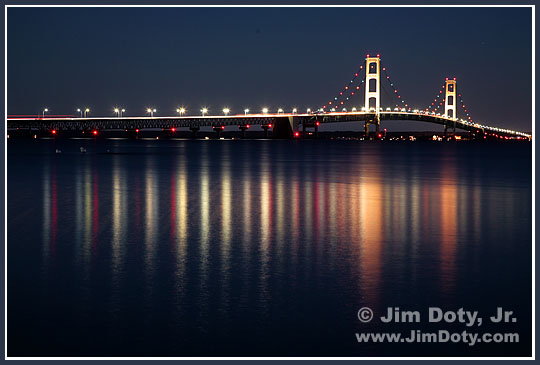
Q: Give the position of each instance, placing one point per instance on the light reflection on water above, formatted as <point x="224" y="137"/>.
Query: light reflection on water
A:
<point x="258" y="242"/>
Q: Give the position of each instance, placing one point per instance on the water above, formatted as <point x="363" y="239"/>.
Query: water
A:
<point x="261" y="248"/>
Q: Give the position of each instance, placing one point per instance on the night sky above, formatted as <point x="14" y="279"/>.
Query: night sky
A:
<point x="65" y="58"/>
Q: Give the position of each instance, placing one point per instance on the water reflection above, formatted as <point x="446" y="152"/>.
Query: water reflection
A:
<point x="210" y="232"/>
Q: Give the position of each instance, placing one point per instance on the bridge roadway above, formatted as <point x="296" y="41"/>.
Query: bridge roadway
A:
<point x="289" y="121"/>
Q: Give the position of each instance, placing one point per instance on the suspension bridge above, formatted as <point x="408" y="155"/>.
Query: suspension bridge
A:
<point x="442" y="110"/>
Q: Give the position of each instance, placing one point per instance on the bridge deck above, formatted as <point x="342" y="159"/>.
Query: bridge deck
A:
<point x="130" y="123"/>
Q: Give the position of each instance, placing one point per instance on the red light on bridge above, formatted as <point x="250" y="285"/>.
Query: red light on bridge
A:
<point x="247" y="125"/>
<point x="318" y="123"/>
<point x="136" y="130"/>
<point x="296" y="134"/>
<point x="269" y="125"/>
<point x="173" y="129"/>
<point x="378" y="55"/>
<point x="95" y="133"/>
<point x="367" y="55"/>
<point x="380" y="135"/>
<point x="53" y="131"/>
<point x="222" y="127"/>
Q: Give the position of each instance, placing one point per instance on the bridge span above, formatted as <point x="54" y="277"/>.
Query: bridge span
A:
<point x="283" y="124"/>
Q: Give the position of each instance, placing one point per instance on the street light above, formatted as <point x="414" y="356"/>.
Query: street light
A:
<point x="294" y="110"/>
<point x="86" y="111"/>
<point x="45" y="111"/>
<point x="226" y="111"/>
<point x="265" y="110"/>
<point x="280" y="110"/>
<point x="353" y="109"/>
<point x="151" y="111"/>
<point x="117" y="111"/>
<point x="80" y="111"/>
<point x="181" y="111"/>
<point x="308" y="110"/>
<point x="121" y="112"/>
<point x="204" y="111"/>
<point x="246" y="111"/>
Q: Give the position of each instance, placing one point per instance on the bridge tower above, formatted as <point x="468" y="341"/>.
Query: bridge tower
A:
<point x="373" y="91"/>
<point x="450" y="102"/>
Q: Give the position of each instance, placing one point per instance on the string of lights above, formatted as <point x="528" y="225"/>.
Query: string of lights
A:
<point x="401" y="102"/>
<point x="464" y="108"/>
<point x="337" y="99"/>
<point x="436" y="103"/>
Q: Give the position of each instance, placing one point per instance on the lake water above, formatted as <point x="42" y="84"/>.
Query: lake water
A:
<point x="261" y="247"/>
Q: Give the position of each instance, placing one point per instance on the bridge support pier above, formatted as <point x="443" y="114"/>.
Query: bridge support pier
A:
<point x="284" y="126"/>
<point x="218" y="129"/>
<point x="314" y="125"/>
<point x="265" y="127"/>
<point x="194" y="130"/>
<point x="243" y="128"/>
<point x="132" y="133"/>
<point x="447" y="127"/>
<point x="377" y="122"/>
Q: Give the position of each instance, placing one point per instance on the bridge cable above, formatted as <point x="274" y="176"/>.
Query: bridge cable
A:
<point x="401" y="102"/>
<point x="436" y="103"/>
<point x="345" y="89"/>
<point x="464" y="108"/>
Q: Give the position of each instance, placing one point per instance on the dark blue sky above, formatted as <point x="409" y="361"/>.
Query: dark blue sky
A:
<point x="65" y="58"/>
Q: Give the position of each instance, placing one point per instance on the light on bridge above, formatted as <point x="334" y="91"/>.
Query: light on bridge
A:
<point x="226" y="111"/>
<point x="265" y="110"/>
<point x="204" y="111"/>
<point x="246" y="111"/>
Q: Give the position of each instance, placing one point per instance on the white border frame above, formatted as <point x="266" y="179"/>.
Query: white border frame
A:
<point x="532" y="7"/>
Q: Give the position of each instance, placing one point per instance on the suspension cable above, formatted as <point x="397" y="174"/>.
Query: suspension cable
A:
<point x="337" y="99"/>
<point x="401" y="102"/>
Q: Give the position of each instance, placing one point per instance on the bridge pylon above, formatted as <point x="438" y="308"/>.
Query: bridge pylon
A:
<point x="373" y="91"/>
<point x="450" y="102"/>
